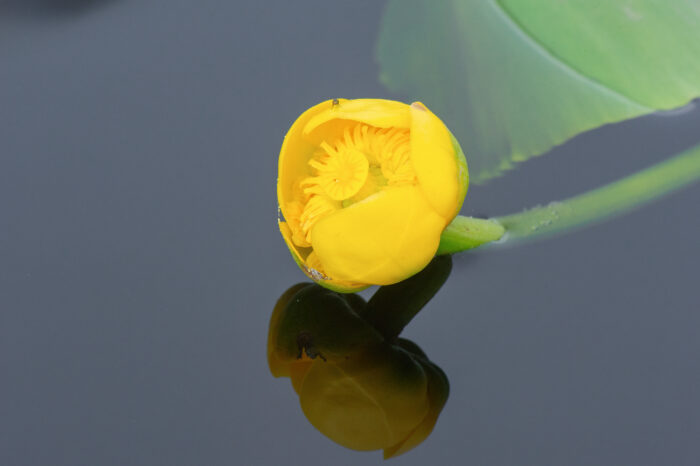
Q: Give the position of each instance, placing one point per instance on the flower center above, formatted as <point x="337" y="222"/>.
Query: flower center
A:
<point x="340" y="173"/>
<point x="362" y="162"/>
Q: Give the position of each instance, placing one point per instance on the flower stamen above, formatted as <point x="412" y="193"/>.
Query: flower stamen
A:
<point x="315" y="209"/>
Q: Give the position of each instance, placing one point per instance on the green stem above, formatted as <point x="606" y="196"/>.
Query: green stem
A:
<point x="593" y="206"/>
<point x="607" y="201"/>
<point x="467" y="233"/>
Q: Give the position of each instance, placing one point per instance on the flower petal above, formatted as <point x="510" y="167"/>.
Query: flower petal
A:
<point x="339" y="286"/>
<point x="382" y="240"/>
<point x="296" y="151"/>
<point x="374" y="112"/>
<point x="287" y="236"/>
<point x="438" y="162"/>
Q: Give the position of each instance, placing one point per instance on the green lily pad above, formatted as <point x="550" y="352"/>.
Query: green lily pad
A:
<point x="512" y="78"/>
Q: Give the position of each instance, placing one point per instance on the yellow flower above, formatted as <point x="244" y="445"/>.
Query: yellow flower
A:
<point x="360" y="388"/>
<point x="366" y="188"/>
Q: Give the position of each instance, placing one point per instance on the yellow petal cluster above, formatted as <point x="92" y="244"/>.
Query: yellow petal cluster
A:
<point x="366" y="188"/>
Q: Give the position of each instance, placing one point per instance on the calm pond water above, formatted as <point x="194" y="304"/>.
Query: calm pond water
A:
<point x="140" y="258"/>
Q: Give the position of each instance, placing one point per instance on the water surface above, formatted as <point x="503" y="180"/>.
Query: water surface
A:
<point x="140" y="259"/>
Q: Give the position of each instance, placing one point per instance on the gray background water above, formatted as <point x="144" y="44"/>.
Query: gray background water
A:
<point x="140" y="258"/>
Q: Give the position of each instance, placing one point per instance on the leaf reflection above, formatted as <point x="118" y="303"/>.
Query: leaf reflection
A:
<point x="358" y="382"/>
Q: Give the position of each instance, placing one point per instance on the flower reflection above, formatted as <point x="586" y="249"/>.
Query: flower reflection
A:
<point x="358" y="382"/>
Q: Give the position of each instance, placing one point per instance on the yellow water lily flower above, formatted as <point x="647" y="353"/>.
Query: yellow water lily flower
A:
<point x="366" y="187"/>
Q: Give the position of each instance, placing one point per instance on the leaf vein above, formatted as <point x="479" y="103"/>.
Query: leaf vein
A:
<point x="566" y="66"/>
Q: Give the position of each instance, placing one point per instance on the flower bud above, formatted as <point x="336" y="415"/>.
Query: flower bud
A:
<point x="366" y="188"/>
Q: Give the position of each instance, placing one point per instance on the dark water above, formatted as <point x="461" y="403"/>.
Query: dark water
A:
<point x="140" y="259"/>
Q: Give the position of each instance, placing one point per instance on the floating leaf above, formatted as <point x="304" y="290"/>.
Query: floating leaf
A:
<point x="513" y="78"/>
